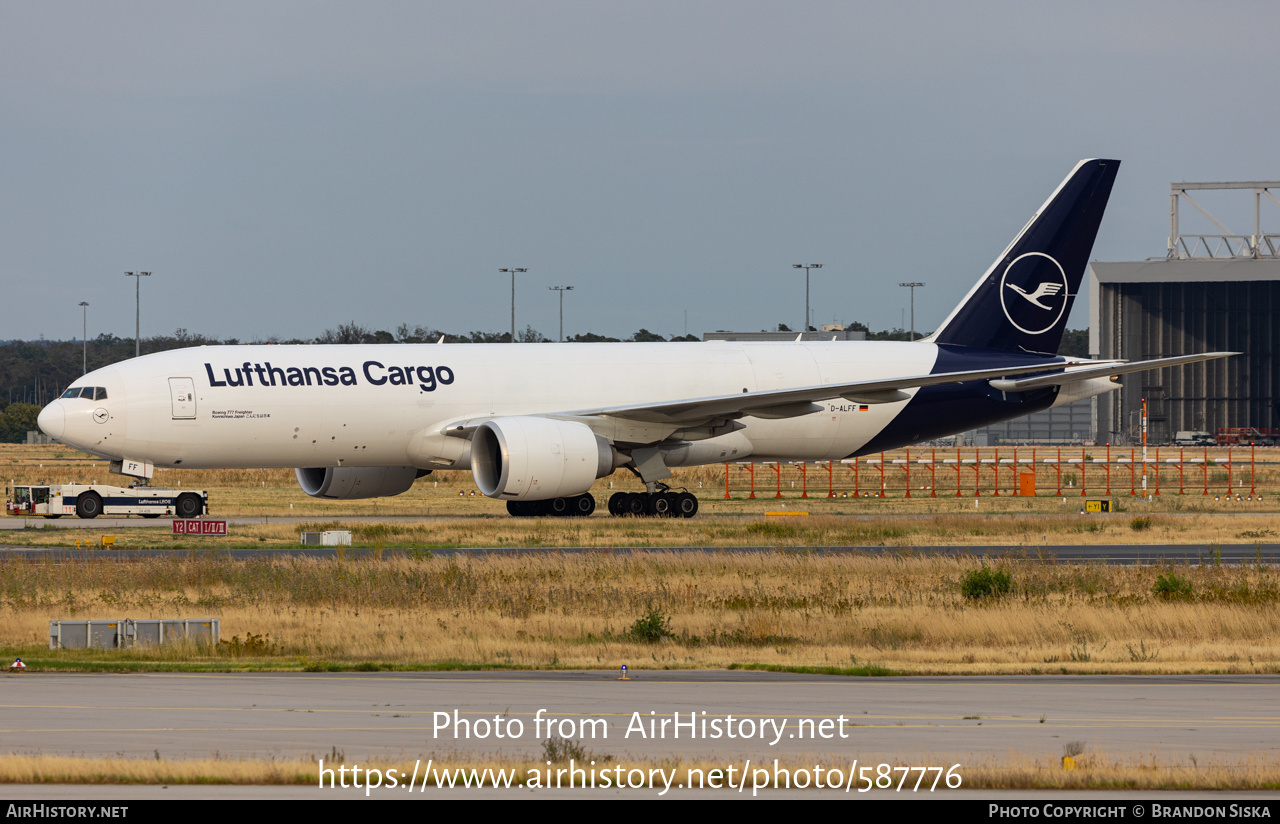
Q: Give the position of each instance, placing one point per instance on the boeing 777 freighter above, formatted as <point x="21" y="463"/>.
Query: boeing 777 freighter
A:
<point x="537" y="424"/>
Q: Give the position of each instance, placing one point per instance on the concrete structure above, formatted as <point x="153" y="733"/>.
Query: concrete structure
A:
<point x="1209" y="293"/>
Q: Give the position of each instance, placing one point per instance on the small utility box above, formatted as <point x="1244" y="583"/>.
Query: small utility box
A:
<point x="131" y="632"/>
<point x="338" y="537"/>
<point x="86" y="634"/>
<point x="170" y="630"/>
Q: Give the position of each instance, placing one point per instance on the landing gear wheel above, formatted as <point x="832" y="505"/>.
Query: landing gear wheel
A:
<point x="89" y="505"/>
<point x="686" y="505"/>
<point x="188" y="506"/>
<point x="583" y="505"/>
<point x="618" y="504"/>
<point x="560" y="507"/>
<point x="662" y="504"/>
<point x="673" y="504"/>
<point x="637" y="503"/>
<point x="535" y="508"/>
<point x="516" y="509"/>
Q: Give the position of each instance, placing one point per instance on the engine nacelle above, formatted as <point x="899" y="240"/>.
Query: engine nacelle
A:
<point x="527" y="458"/>
<point x="357" y="482"/>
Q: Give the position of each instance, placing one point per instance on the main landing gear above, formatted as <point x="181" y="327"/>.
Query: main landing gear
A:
<point x="582" y="505"/>
<point x="658" y="504"/>
<point x="657" y="501"/>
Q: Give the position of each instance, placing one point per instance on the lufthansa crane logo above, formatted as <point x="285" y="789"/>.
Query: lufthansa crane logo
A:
<point x="1034" y="292"/>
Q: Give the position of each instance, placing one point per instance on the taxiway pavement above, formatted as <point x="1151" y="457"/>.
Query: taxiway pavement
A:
<point x="394" y="715"/>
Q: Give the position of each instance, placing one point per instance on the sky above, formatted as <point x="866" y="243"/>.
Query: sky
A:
<point x="285" y="167"/>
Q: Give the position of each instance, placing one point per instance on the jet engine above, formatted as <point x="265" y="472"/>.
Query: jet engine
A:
<point x="527" y="458"/>
<point x="357" y="482"/>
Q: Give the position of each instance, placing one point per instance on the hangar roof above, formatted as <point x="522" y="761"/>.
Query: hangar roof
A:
<point x="1185" y="271"/>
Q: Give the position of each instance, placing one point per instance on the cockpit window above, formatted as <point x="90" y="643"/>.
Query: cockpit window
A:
<point x="92" y="393"/>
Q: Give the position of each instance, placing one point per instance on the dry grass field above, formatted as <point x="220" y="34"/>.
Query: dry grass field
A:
<point x="786" y="607"/>
<point x="857" y="613"/>
<point x="1017" y="771"/>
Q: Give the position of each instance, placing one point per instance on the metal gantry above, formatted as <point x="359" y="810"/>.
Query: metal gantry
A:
<point x="1226" y="245"/>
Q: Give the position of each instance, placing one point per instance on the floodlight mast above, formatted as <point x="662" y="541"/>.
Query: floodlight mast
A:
<point x="561" y="290"/>
<point x="804" y="327"/>
<point x="912" y="286"/>
<point x="137" y="296"/>
<point x="513" y="271"/>
<point x="84" y="338"/>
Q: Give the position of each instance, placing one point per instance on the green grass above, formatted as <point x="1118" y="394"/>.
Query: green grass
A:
<point x="869" y="670"/>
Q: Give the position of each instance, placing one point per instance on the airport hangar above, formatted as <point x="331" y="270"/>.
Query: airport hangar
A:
<point x="1209" y="293"/>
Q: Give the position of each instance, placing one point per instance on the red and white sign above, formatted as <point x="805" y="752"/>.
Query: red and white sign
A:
<point x="198" y="526"/>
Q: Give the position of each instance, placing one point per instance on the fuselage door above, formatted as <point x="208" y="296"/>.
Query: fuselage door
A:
<point x="182" y="392"/>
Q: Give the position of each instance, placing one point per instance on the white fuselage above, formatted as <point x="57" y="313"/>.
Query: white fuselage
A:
<point x="367" y="405"/>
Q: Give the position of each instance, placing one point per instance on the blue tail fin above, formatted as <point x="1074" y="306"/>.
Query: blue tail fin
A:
<point x="1023" y="300"/>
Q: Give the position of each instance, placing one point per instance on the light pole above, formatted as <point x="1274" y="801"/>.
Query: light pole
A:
<point x="561" y="290"/>
<point x="804" y="327"/>
<point x="84" y="337"/>
<point x="513" y="271"/>
<point x="137" y="320"/>
<point x="912" y="286"/>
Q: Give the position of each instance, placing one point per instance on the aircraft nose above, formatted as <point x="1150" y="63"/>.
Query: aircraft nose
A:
<point x="52" y="420"/>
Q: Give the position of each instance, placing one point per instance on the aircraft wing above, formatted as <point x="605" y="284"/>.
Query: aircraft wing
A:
<point x="787" y="403"/>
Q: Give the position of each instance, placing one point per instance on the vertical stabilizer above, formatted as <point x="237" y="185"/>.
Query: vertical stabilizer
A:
<point x="1022" y="302"/>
